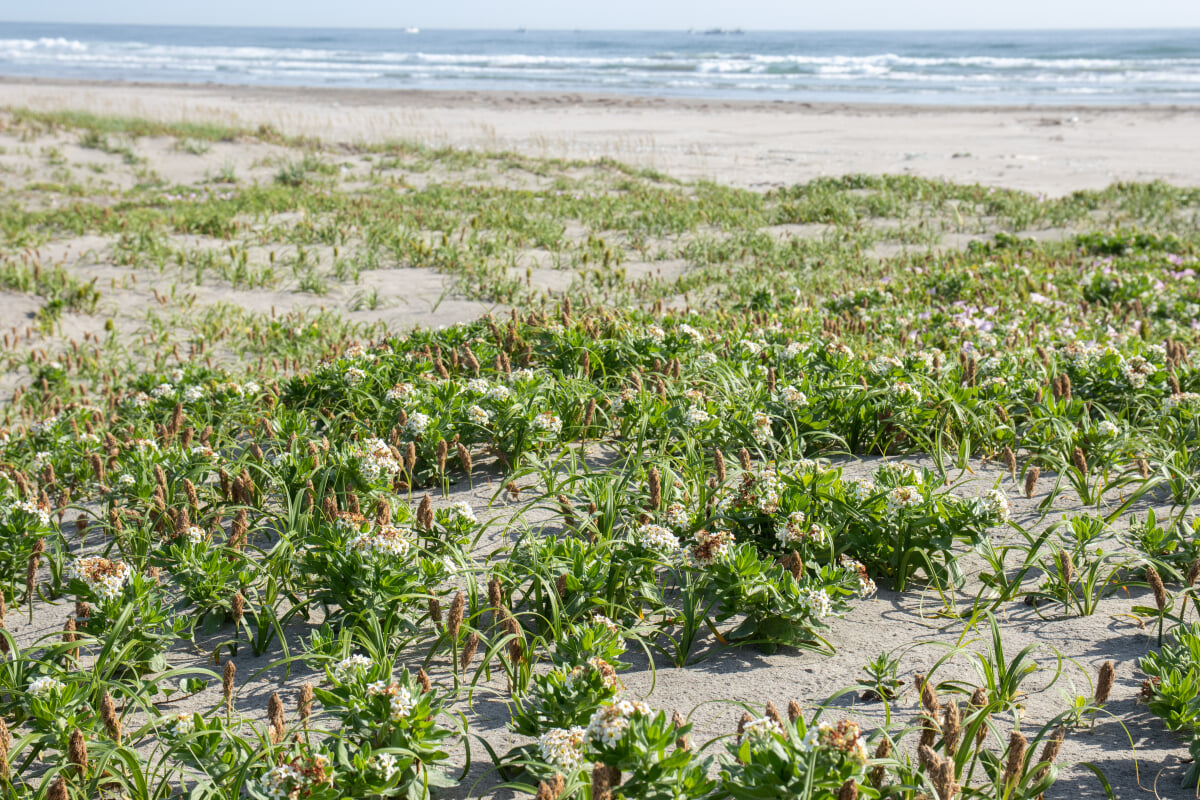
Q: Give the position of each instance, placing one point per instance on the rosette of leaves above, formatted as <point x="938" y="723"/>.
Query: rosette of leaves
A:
<point x="376" y="710"/>
<point x="563" y="697"/>
<point x="650" y="763"/>
<point x="135" y="627"/>
<point x="799" y="759"/>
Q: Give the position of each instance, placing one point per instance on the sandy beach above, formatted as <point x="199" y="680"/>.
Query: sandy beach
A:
<point x="1052" y="150"/>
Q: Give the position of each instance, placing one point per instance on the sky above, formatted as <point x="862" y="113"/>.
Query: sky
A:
<point x="625" y="14"/>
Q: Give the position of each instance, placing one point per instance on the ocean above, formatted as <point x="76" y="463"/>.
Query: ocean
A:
<point x="1157" y="67"/>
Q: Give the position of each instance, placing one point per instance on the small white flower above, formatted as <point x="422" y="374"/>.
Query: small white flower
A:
<point x="417" y="423"/>
<point x="656" y="537"/>
<point x="816" y="601"/>
<point x="44" y="686"/>
<point x="462" y="512"/>
<point x="695" y="416"/>
<point x="479" y="416"/>
<point x="1107" y="430"/>
<point x="548" y="422"/>
<point x="354" y="376"/>
<point x="563" y="748"/>
<point x="350" y="666"/>
<point x="162" y="390"/>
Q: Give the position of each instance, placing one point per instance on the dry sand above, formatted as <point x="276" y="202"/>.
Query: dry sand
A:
<point x="1054" y="150"/>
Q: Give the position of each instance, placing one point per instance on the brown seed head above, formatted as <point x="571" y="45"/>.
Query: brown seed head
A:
<point x="882" y="751"/>
<point x="57" y="790"/>
<point x="442" y="451"/>
<point x="655" y="483"/>
<point x="719" y="465"/>
<point x="239" y="607"/>
<point x="1104" y="683"/>
<point x="454" y="622"/>
<point x="601" y="786"/>
<point x="227" y="683"/>
<point x="1066" y="567"/>
<point x="951" y="728"/>
<point x="1031" y="478"/>
<point x="1010" y="462"/>
<point x="774" y="715"/>
<point x="1079" y="460"/>
<point x="435" y="611"/>
<point x="425" y="513"/>
<point x="849" y="790"/>
<point x="1015" y="763"/>
<point x="424" y="682"/>
<point x="276" y="718"/>
<point x="464" y="457"/>
<point x="678" y="722"/>
<point x="112" y="722"/>
<point x="1050" y="752"/>
<point x="743" y="721"/>
<point x="1193" y="573"/>
<point x="495" y="593"/>
<point x="77" y="751"/>
<point x="744" y="459"/>
<point x="304" y="702"/>
<point x="1156" y="586"/>
<point x="794" y="711"/>
<point x="468" y="651"/>
<point x="929" y="697"/>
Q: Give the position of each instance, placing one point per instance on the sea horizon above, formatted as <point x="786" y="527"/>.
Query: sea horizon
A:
<point x="1145" y="66"/>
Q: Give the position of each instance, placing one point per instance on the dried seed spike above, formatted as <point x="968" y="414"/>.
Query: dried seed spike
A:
<point x="1156" y="586"/>
<point x="304" y="703"/>
<point x="979" y="700"/>
<point x="677" y="722"/>
<point x="544" y="792"/>
<point x="275" y="717"/>
<point x="435" y="611"/>
<point x="773" y="714"/>
<point x="5" y="749"/>
<point x="1031" y="478"/>
<point x="410" y="457"/>
<point x="1066" y="567"/>
<point x="464" y="457"/>
<point x="719" y="462"/>
<point x="454" y="622"/>
<point x="744" y="459"/>
<point x="794" y="711"/>
<point x="951" y="728"/>
<point x="442" y="450"/>
<point x="849" y="790"/>
<point x="68" y="637"/>
<point x="424" y="682"/>
<point x="882" y="751"/>
<point x="112" y="722"/>
<point x="425" y="513"/>
<point x="742" y="723"/>
<point x="1080" y="461"/>
<point x="927" y="757"/>
<point x="495" y="594"/>
<point x="601" y="786"/>
<point x="560" y="586"/>
<point x="1193" y="574"/>
<point x="227" y="684"/>
<point x="1015" y="762"/>
<point x="943" y="781"/>
<point x="57" y="790"/>
<point x="1050" y="752"/>
<point x="655" y="483"/>
<point x="77" y="752"/>
<point x="468" y="651"/>
<point x="239" y="607"/>
<point x="1010" y="462"/>
<point x="1143" y="468"/>
<point x="929" y="697"/>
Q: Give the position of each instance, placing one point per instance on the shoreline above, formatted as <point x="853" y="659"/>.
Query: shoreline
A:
<point x="508" y="98"/>
<point x="1051" y="150"/>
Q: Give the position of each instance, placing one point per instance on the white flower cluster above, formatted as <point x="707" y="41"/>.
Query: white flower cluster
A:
<point x="655" y="334"/>
<point x="103" y="578"/>
<point x="709" y="547"/>
<point x="696" y="336"/>
<point x="996" y="503"/>
<point x="181" y="724"/>
<point x="194" y="534"/>
<point x="816" y="602"/>
<point x="793" y="397"/>
<point x="1136" y="370"/>
<point x="761" y="428"/>
<point x="903" y="497"/>
<point x="609" y="723"/>
<point x="399" y="392"/>
<point x="479" y="416"/>
<point x="417" y="423"/>
<point x="905" y="392"/>
<point x="562" y="748"/>
<point x="351" y="667"/>
<point x="860" y="489"/>
<point x="499" y="394"/>
<point x="401" y="704"/>
<point x="162" y="390"/>
<point x="193" y="394"/>
<point x="706" y="359"/>
<point x="695" y="416"/>
<point x="478" y="386"/>
<point x="751" y="347"/>
<point x="881" y="365"/>
<point x="677" y="516"/>
<point x="385" y="765"/>
<point x="1106" y="429"/>
<point x="793" y="532"/>
<point x="866" y="586"/>
<point x="386" y="541"/>
<point x="34" y="510"/>
<point x="462" y="512"/>
<point x="760" y="729"/>
<point x="286" y="782"/>
<point x="548" y="422"/>
<point x="375" y="458"/>
<point x="1181" y="400"/>
<point x="656" y="537"/>
<point x="44" y="686"/>
<point x="793" y="350"/>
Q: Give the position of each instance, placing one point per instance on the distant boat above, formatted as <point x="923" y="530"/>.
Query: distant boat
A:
<point x="723" y="32"/>
<point x="412" y="30"/>
<point x="521" y="29"/>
